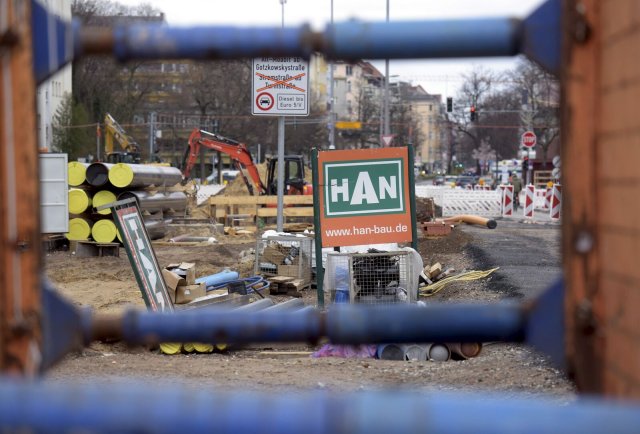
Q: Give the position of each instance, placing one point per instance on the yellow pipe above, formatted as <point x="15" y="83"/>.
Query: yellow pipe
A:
<point x="79" y="201"/>
<point x="77" y="173"/>
<point x="103" y="197"/>
<point x="104" y="231"/>
<point x="79" y="229"/>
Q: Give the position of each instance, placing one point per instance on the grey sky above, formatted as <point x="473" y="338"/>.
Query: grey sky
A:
<point x="436" y="76"/>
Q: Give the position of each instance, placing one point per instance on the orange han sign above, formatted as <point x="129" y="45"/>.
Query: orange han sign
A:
<point x="364" y="196"/>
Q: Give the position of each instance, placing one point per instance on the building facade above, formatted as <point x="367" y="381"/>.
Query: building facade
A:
<point x="51" y="93"/>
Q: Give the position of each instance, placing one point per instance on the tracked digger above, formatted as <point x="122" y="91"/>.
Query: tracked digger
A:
<point x="243" y="162"/>
<point x="114" y="133"/>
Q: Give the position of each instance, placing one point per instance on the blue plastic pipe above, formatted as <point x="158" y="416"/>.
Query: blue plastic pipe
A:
<point x="347" y="40"/>
<point x="343" y="324"/>
<point x="139" y="407"/>
<point x="157" y="41"/>
<point x="352" y="324"/>
<point x="219" y="326"/>
<point x="225" y="276"/>
<point x="424" y="39"/>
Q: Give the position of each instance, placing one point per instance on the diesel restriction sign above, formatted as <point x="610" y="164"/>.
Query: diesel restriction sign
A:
<point x="280" y="86"/>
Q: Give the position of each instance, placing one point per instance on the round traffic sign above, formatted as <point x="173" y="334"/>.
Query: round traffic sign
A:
<point x="264" y="101"/>
<point x="528" y="139"/>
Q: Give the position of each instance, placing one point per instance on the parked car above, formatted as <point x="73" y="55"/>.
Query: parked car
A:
<point x="463" y="181"/>
<point x="438" y="180"/>
<point x="450" y="180"/>
<point x="487" y="180"/>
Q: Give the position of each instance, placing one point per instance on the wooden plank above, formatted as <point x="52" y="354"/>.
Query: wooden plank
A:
<point x="233" y="200"/>
<point x="288" y="200"/>
<point x="260" y="200"/>
<point x="20" y="248"/>
<point x="582" y="181"/>
<point x="287" y="212"/>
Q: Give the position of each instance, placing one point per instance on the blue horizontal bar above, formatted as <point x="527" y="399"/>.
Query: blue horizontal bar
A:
<point x="352" y="324"/>
<point x="538" y="36"/>
<point x="424" y="39"/>
<point x="220" y="326"/>
<point x="138" y="407"/>
<point x="52" y="42"/>
<point x="156" y="41"/>
<point x="344" y="324"/>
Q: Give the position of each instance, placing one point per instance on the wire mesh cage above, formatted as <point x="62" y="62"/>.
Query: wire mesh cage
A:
<point x="369" y="278"/>
<point x="285" y="256"/>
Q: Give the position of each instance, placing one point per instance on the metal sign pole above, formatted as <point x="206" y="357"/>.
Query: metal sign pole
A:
<point x="280" y="217"/>
<point x="316" y="227"/>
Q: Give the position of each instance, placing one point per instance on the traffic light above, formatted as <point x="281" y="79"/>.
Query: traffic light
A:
<point x="474" y="115"/>
<point x="525" y="164"/>
<point x="449" y="105"/>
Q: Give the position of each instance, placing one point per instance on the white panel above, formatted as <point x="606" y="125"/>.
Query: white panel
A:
<point x="54" y="197"/>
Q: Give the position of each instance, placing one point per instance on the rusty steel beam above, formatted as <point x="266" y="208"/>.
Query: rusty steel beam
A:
<point x="20" y="280"/>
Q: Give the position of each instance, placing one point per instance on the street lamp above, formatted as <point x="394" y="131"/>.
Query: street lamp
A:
<point x="386" y="89"/>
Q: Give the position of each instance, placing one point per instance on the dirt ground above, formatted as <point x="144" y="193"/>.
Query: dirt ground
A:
<point x="107" y="284"/>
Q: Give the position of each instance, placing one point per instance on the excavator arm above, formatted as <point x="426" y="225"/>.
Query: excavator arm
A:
<point x="115" y="133"/>
<point x="237" y="151"/>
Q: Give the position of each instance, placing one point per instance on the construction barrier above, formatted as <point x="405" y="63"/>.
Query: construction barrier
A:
<point x="478" y="202"/>
<point x="556" y="202"/>
<point x="507" y="200"/>
<point x="547" y="198"/>
<point x="529" y="196"/>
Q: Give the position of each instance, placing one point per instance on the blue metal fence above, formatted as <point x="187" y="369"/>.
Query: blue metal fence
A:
<point x="143" y="408"/>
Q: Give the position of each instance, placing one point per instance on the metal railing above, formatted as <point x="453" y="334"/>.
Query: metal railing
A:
<point x="117" y="408"/>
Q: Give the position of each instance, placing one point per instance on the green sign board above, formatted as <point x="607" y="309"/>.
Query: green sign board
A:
<point x="141" y="255"/>
<point x="372" y="187"/>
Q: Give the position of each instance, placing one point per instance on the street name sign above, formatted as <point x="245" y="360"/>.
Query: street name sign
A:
<point x="364" y="196"/>
<point x="280" y="86"/>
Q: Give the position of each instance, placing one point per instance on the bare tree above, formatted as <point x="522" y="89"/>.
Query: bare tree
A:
<point x="540" y="108"/>
<point x="474" y="93"/>
<point x="100" y="84"/>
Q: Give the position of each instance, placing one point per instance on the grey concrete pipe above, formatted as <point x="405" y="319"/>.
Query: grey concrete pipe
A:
<point x="124" y="175"/>
<point x="98" y="174"/>
<point x="290" y="305"/>
<point x="154" y="202"/>
<point x="255" y="306"/>
<point x="439" y="353"/>
<point x="156" y="228"/>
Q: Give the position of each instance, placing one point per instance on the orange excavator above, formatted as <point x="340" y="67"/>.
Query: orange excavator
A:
<point x="243" y="162"/>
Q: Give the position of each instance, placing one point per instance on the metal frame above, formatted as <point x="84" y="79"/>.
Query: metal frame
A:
<point x="29" y="311"/>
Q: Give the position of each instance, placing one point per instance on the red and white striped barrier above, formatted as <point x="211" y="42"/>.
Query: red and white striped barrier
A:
<point x="547" y="199"/>
<point x="487" y="187"/>
<point x="556" y="202"/>
<point x="468" y="187"/>
<point x="477" y="187"/>
<point x="529" y="191"/>
<point x="507" y="200"/>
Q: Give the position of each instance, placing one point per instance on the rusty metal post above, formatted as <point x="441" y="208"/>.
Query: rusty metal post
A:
<point x="20" y="334"/>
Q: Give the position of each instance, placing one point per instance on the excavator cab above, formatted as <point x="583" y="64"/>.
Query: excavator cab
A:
<point x="294" y="182"/>
<point x="124" y="157"/>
